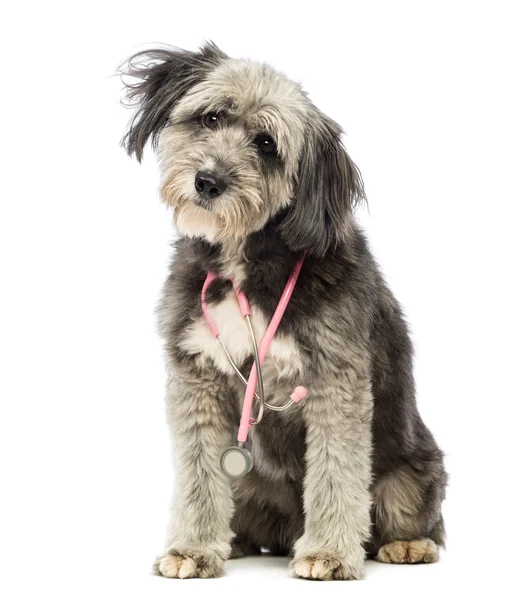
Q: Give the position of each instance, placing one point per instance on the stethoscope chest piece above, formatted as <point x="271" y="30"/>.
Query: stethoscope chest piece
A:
<point x="236" y="462"/>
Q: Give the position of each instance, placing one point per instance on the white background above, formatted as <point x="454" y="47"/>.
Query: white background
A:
<point x="427" y="93"/>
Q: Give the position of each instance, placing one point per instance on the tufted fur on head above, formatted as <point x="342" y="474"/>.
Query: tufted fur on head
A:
<point x="310" y="180"/>
<point x="162" y="77"/>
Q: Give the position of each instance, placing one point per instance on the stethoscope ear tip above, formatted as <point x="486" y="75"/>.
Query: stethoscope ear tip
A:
<point x="236" y="462"/>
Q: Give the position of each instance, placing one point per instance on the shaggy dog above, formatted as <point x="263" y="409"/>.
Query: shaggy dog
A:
<point x="257" y="176"/>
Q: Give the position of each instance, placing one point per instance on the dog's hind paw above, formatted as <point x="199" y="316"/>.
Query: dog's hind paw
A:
<point x="325" y="566"/>
<point x="204" y="564"/>
<point x="243" y="547"/>
<point x="413" y="552"/>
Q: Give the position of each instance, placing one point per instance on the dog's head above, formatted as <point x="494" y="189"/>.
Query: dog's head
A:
<point x="238" y="142"/>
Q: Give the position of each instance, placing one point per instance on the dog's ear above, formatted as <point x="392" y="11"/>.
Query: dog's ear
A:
<point x="327" y="188"/>
<point x="159" y="78"/>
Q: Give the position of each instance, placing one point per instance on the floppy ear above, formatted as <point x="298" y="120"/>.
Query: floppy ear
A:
<point x="161" y="77"/>
<point x="327" y="188"/>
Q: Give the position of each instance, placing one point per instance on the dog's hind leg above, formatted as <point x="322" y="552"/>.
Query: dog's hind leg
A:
<point x="409" y="477"/>
<point x="266" y="515"/>
<point x="243" y="546"/>
<point x="408" y="526"/>
<point x="258" y="526"/>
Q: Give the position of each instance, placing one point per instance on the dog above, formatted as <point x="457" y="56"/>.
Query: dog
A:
<point x="258" y="178"/>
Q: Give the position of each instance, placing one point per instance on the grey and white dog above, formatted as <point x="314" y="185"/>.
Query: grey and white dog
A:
<point x="257" y="176"/>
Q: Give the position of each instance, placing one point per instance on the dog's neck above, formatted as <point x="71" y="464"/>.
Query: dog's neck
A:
<point x="233" y="259"/>
<point x="230" y="258"/>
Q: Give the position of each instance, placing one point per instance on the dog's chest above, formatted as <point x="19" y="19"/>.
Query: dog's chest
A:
<point x="283" y="360"/>
<point x="278" y="441"/>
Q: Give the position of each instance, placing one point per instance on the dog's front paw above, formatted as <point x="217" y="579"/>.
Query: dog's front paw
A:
<point x="326" y="565"/>
<point x="187" y="564"/>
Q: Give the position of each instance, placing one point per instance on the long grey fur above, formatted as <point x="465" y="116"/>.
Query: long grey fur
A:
<point x="351" y="473"/>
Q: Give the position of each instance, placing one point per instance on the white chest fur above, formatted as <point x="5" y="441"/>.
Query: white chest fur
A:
<point x="282" y="360"/>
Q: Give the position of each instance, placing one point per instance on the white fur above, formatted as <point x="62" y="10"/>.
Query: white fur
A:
<point x="195" y="222"/>
<point x="283" y="358"/>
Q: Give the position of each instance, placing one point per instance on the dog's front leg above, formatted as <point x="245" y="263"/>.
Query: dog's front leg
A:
<point x="338" y="471"/>
<point x="199" y="541"/>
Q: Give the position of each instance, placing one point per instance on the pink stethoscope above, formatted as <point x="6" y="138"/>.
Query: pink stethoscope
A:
<point x="236" y="461"/>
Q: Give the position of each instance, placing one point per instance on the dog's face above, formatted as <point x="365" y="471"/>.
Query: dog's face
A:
<point x="238" y="142"/>
<point x="229" y="154"/>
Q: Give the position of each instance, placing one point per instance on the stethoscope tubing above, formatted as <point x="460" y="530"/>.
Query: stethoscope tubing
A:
<point x="244" y="381"/>
<point x="257" y="366"/>
<point x="245" y="423"/>
<point x="256" y="375"/>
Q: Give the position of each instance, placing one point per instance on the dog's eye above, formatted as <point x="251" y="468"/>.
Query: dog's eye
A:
<point x="210" y="119"/>
<point x="265" y="144"/>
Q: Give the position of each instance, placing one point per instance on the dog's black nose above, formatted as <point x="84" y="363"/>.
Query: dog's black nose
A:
<point x="209" y="185"/>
